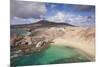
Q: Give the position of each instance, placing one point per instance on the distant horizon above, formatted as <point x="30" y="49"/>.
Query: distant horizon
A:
<point x="26" y="12"/>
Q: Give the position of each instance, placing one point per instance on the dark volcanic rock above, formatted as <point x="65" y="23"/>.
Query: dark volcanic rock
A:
<point x="42" y="23"/>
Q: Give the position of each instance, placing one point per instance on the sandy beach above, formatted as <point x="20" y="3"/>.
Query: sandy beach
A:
<point x="79" y="38"/>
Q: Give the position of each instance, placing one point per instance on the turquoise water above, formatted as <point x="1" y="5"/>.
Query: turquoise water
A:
<point x="53" y="55"/>
<point x="20" y="32"/>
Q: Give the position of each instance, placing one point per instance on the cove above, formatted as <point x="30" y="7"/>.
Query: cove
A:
<point x="52" y="55"/>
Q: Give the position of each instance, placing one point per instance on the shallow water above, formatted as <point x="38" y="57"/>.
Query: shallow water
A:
<point x="20" y="32"/>
<point x="53" y="55"/>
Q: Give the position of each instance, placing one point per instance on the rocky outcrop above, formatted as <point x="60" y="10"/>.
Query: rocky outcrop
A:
<point x="15" y="38"/>
<point x="29" y="44"/>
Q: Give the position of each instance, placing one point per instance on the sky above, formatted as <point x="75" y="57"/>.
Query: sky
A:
<point x="25" y="12"/>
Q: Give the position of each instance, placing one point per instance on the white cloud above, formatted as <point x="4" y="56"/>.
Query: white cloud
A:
<point x="17" y="20"/>
<point x="77" y="20"/>
<point x="59" y="17"/>
<point x="27" y="9"/>
<point x="81" y="20"/>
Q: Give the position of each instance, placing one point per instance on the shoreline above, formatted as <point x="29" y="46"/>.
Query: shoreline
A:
<point x="84" y="49"/>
